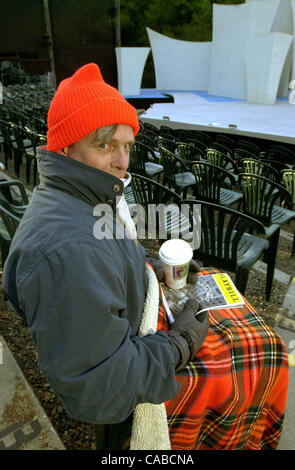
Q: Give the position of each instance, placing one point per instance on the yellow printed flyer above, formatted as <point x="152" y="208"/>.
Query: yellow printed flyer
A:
<point x="227" y="288"/>
<point x="216" y="291"/>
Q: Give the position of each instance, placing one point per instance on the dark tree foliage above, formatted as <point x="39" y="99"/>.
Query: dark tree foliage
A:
<point x="189" y="20"/>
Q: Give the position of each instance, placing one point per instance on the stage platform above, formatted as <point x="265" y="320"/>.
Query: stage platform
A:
<point x="200" y="111"/>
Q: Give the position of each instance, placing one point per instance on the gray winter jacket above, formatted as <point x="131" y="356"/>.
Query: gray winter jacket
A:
<point x="82" y="298"/>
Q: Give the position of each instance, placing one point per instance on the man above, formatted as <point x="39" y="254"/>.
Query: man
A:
<point x="83" y="297"/>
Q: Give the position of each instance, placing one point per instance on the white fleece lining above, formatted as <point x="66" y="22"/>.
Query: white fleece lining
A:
<point x="150" y="427"/>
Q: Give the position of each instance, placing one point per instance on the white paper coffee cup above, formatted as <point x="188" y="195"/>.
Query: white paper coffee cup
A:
<point x="175" y="256"/>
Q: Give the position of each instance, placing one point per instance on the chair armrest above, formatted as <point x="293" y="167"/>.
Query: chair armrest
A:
<point x="11" y="183"/>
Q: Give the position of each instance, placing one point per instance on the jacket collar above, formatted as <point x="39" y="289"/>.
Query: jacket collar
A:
<point x="77" y="179"/>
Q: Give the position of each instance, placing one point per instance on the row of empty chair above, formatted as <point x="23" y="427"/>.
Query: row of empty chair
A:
<point x="229" y="238"/>
<point x="212" y="173"/>
<point x="23" y="126"/>
<point x="223" y="238"/>
<point x="230" y="247"/>
<point x="250" y="184"/>
<point x="236" y="147"/>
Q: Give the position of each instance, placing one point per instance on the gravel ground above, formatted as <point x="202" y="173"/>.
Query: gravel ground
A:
<point x="80" y="436"/>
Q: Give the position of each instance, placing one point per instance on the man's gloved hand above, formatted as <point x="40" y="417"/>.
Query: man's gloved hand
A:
<point x="194" y="268"/>
<point x="188" y="333"/>
<point x="192" y="277"/>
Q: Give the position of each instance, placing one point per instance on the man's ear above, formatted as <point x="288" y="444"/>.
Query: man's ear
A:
<point x="64" y="151"/>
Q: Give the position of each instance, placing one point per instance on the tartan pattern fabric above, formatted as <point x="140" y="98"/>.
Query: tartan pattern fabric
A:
<point x="233" y="393"/>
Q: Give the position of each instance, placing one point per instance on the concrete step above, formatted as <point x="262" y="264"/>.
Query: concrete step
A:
<point x="24" y="424"/>
<point x="287" y="235"/>
<point x="289" y="302"/>
<point x="279" y="276"/>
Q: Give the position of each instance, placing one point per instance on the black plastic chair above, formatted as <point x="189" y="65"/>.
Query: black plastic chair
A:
<point x="260" y="195"/>
<point x="168" y="131"/>
<point x="282" y="148"/>
<point x="150" y="127"/>
<point x="24" y="148"/>
<point x="248" y="145"/>
<point x="281" y="154"/>
<point x="150" y="133"/>
<point x="225" y="140"/>
<point x="38" y="124"/>
<point x="142" y="160"/>
<point x="9" y="145"/>
<point x="239" y="153"/>
<point x="188" y="153"/>
<point x="225" y="241"/>
<point x="211" y="184"/>
<point x="277" y="165"/>
<point x="36" y="140"/>
<point x="13" y="193"/>
<point x="221" y="148"/>
<point x="141" y="125"/>
<point x="202" y="137"/>
<point x="8" y="225"/>
<point x="183" y="134"/>
<point x="224" y="161"/>
<point x="196" y="143"/>
<point x="288" y="177"/>
<point x="175" y="174"/>
<point x="162" y="208"/>
<point x="147" y="140"/>
<point x="258" y="167"/>
<point x="166" y="143"/>
<point x="17" y="114"/>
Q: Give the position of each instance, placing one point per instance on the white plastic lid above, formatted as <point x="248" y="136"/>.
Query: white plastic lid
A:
<point x="175" y="252"/>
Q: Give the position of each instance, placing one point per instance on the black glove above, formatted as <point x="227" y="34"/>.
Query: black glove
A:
<point x="188" y="332"/>
<point x="194" y="268"/>
<point x="192" y="276"/>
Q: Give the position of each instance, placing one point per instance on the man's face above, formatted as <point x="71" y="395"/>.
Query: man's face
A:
<point x="111" y="156"/>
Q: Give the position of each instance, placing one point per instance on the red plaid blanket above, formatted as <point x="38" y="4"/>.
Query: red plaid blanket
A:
<point x="233" y="394"/>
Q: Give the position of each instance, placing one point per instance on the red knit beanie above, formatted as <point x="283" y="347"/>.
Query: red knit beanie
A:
<point x="82" y="104"/>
